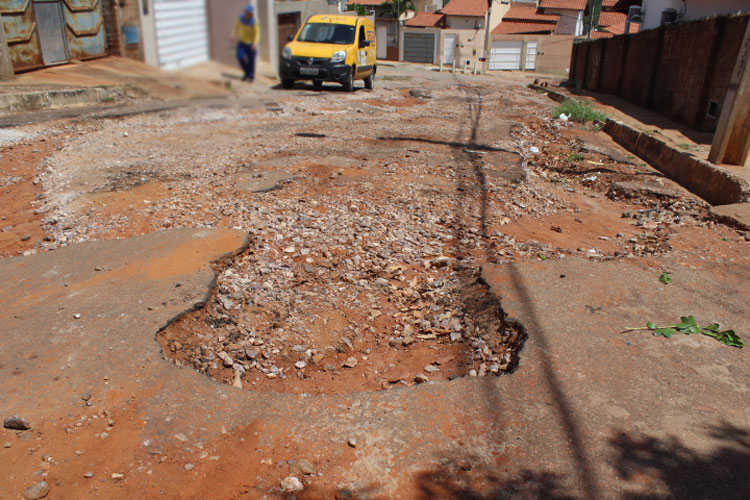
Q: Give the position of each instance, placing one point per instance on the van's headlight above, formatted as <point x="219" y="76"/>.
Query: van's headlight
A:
<point x="339" y="56"/>
<point x="286" y="53"/>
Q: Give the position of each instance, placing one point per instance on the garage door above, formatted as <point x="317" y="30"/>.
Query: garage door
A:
<point x="181" y="32"/>
<point x="419" y="47"/>
<point x="506" y="55"/>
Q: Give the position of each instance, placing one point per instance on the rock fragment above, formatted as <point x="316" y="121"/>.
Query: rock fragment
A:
<point x="16" y="423"/>
<point x="291" y="485"/>
<point x="37" y="491"/>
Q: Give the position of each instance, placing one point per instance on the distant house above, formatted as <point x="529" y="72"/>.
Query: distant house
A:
<point x="427" y="20"/>
<point x="613" y="23"/>
<point x="465" y="14"/>
<point x="537" y="36"/>
<point x="658" y="12"/>
<point x="524" y="18"/>
<point x="571" y="14"/>
<point x="452" y="35"/>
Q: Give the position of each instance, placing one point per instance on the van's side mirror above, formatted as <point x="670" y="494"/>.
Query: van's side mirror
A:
<point x="364" y="43"/>
<point x="289" y="38"/>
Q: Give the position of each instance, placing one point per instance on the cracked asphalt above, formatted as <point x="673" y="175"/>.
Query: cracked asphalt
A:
<point x="477" y="259"/>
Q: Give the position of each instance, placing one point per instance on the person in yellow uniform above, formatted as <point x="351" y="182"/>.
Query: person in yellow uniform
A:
<point x="247" y="33"/>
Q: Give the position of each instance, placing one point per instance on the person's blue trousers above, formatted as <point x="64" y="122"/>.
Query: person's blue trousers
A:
<point x="246" y="57"/>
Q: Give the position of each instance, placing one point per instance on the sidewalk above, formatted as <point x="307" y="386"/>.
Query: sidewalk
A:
<point x="115" y="82"/>
<point x="676" y="134"/>
<point x="672" y="148"/>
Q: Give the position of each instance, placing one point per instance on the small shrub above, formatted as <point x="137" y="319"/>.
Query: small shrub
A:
<point x="574" y="158"/>
<point x="580" y="111"/>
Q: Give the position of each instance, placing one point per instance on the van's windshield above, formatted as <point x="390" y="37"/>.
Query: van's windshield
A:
<point x="327" y="33"/>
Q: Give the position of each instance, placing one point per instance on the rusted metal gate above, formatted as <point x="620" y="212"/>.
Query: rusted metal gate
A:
<point x="48" y="32"/>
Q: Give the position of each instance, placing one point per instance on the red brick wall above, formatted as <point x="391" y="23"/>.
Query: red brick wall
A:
<point x="130" y="15"/>
<point x="594" y="64"/>
<point x="675" y="70"/>
<point x="612" y="67"/>
<point x="726" y="56"/>
<point x="641" y="59"/>
<point x="112" y="27"/>
<point x="119" y="13"/>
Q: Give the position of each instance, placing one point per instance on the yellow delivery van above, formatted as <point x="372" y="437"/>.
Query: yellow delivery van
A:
<point x="331" y="48"/>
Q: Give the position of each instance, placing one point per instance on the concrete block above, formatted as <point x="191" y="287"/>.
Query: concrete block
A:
<point x="56" y="99"/>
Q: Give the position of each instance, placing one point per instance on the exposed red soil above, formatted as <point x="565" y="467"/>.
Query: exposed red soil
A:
<point x="18" y="192"/>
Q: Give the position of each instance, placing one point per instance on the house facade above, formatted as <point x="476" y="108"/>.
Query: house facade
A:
<point x="655" y="10"/>
<point x="40" y="34"/>
<point x="570" y="12"/>
<point x="453" y="35"/>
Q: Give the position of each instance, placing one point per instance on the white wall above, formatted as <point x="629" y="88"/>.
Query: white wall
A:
<point x="498" y="12"/>
<point x="695" y="9"/>
<point x="148" y="34"/>
<point x="428" y="5"/>
<point x="464" y="22"/>
<point x="570" y="23"/>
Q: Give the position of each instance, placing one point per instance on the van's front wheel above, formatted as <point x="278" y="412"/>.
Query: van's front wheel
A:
<point x="287" y="84"/>
<point x="348" y="82"/>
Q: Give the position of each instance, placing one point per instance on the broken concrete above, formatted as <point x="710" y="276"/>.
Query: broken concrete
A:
<point x="714" y="184"/>
<point x="12" y="103"/>
<point x="736" y="215"/>
<point x="263" y="183"/>
<point x="583" y="400"/>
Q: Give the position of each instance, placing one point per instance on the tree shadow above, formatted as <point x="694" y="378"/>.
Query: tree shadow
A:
<point x="442" y="484"/>
<point x="643" y="468"/>
<point x="685" y="473"/>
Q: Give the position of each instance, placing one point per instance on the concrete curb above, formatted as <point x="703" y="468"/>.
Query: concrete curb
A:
<point x="700" y="177"/>
<point x="736" y="216"/>
<point x="55" y="99"/>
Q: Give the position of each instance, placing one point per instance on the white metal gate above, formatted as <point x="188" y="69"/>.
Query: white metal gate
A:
<point x="449" y="48"/>
<point x="181" y="32"/>
<point x="506" y="55"/>
<point x="531" y="55"/>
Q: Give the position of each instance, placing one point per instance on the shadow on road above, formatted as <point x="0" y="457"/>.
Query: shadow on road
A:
<point x="473" y="197"/>
<point x="665" y="468"/>
<point x="683" y="472"/>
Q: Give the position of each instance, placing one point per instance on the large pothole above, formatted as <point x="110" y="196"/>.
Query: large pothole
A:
<point x="324" y="335"/>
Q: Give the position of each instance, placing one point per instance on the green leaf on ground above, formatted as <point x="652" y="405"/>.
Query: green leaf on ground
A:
<point x="665" y="278"/>
<point x="689" y="325"/>
<point x="665" y="332"/>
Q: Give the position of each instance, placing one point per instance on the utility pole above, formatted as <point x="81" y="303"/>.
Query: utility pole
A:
<point x="487" y="38"/>
<point x="6" y="64"/>
<point x="731" y="142"/>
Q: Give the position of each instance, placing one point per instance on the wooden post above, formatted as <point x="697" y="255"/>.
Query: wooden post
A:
<point x="731" y="142"/>
<point x="6" y="65"/>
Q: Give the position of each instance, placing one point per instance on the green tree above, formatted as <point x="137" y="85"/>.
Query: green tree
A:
<point x="390" y="9"/>
<point x="395" y="9"/>
<point x="595" y="9"/>
<point x="361" y="10"/>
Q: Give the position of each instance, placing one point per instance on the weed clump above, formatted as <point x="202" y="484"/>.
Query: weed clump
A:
<point x="579" y="111"/>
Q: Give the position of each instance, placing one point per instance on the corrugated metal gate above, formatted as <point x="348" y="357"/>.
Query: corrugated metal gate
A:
<point x="47" y="32"/>
<point x="419" y="47"/>
<point x="181" y="32"/>
<point x="506" y="54"/>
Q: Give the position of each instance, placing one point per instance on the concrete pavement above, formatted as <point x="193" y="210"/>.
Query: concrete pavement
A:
<point x="589" y="413"/>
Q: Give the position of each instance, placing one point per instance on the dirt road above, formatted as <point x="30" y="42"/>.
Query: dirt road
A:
<point x="368" y="218"/>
